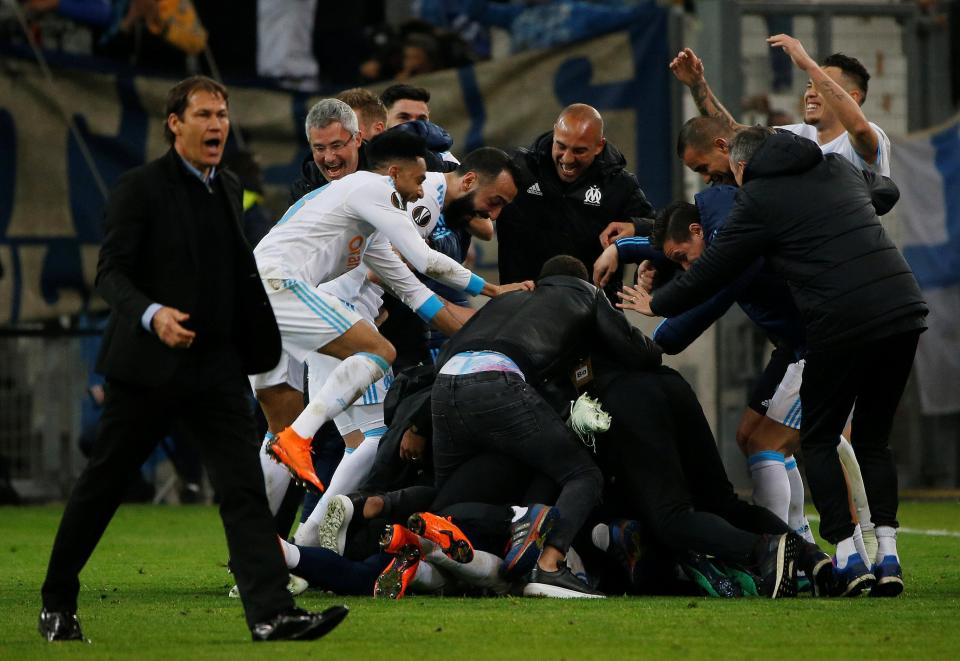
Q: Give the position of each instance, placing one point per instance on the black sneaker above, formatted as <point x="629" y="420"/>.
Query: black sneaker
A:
<point x="777" y="562"/>
<point x="59" y="625"/>
<point x="817" y="565"/>
<point x="560" y="584"/>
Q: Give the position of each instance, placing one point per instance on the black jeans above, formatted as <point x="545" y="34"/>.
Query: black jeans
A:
<point x="498" y="412"/>
<point x="668" y="473"/>
<point x="873" y="374"/>
<point x="218" y="416"/>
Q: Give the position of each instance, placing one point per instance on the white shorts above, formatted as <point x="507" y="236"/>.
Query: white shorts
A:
<point x="308" y="319"/>
<point x="784" y="406"/>
<point x="367" y="413"/>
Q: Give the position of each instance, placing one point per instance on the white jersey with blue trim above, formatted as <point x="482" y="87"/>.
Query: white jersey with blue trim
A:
<point x="842" y="145"/>
<point x="328" y="232"/>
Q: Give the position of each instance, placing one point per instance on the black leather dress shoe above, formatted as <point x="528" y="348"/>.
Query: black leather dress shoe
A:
<point x="59" y="625"/>
<point x="298" y="624"/>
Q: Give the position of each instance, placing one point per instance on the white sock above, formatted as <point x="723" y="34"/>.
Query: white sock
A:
<point x="291" y="554"/>
<point x="276" y="477"/>
<point x="797" y="519"/>
<point x="845" y="549"/>
<point x="861" y="549"/>
<point x="518" y="513"/>
<point x="771" y="487"/>
<point x="886" y="542"/>
<point x="483" y="571"/>
<point x="350" y="474"/>
<point x="428" y="578"/>
<point x="341" y="389"/>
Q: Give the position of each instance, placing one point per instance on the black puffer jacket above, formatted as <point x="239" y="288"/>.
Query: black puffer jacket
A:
<point x="814" y="218"/>
<point x="311" y="178"/>
<point x="546" y="331"/>
<point x="549" y="217"/>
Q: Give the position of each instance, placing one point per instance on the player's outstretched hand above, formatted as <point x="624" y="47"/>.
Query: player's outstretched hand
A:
<point x="526" y="285"/>
<point x="605" y="266"/>
<point x="617" y="229"/>
<point x="687" y="67"/>
<point x="166" y="324"/>
<point x="645" y="275"/>
<point x="794" y="49"/>
<point x="636" y="299"/>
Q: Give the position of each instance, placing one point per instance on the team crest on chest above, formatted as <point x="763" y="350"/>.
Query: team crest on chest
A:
<point x="421" y="216"/>
<point x="592" y="196"/>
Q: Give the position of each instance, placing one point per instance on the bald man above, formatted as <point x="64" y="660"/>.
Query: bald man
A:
<point x="576" y="196"/>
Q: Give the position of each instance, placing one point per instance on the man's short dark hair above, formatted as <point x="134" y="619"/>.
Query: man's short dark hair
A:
<point x="488" y="163"/>
<point x="700" y="132"/>
<point x="178" y="98"/>
<point x="673" y="223"/>
<point x="400" y="91"/>
<point x="394" y="146"/>
<point x="747" y="141"/>
<point x="564" y="265"/>
<point x="852" y="69"/>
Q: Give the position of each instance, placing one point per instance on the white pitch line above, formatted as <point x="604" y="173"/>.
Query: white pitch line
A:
<point x="933" y="532"/>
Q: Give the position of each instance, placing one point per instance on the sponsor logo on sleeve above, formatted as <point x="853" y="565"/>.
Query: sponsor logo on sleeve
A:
<point x="535" y="189"/>
<point x="397" y="201"/>
<point x="421" y="216"/>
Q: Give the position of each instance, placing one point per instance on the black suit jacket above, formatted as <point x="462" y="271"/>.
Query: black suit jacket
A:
<point x="150" y="254"/>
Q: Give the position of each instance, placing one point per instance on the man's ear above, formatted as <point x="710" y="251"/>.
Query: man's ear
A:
<point x="393" y="170"/>
<point x="173" y="123"/>
<point x="722" y="145"/>
<point x="468" y="181"/>
<point x="696" y="229"/>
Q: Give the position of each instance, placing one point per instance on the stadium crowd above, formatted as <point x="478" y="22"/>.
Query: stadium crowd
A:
<point x="535" y="445"/>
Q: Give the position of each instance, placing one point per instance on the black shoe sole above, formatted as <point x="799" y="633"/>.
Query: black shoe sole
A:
<point x="890" y="586"/>
<point x="856" y="587"/>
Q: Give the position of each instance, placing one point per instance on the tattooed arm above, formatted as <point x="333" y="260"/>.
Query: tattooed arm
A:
<point x="862" y="136"/>
<point x="688" y="68"/>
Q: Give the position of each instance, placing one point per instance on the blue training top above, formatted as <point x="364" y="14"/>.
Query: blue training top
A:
<point x="760" y="292"/>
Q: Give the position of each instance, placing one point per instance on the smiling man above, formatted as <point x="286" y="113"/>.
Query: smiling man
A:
<point x="576" y="197"/>
<point x="832" y="110"/>
<point x="336" y="149"/>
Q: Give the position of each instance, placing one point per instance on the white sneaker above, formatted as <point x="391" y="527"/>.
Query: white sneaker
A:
<point x="587" y="418"/>
<point x="295" y="586"/>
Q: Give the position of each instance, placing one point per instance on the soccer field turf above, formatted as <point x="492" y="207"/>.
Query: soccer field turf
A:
<point x="156" y="589"/>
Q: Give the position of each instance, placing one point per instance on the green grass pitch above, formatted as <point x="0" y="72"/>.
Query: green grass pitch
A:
<point x="156" y="589"/>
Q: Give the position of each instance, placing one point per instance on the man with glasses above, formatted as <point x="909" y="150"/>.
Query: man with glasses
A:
<point x="336" y="147"/>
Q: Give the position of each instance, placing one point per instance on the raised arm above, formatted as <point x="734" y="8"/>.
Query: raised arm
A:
<point x="688" y="69"/>
<point x="864" y="139"/>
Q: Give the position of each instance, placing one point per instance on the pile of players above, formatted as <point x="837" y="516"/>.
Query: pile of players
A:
<point x="545" y="450"/>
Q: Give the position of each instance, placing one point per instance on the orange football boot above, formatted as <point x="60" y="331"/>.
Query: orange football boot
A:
<point x="294" y="452"/>
<point x="394" y="537"/>
<point x="442" y="531"/>
<point x="393" y="582"/>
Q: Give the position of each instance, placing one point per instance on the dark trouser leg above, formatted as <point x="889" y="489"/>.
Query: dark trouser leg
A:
<point x="641" y="449"/>
<point x="827" y="395"/>
<point x="326" y="570"/>
<point x="486" y="478"/>
<point x="707" y="478"/>
<point x="131" y="426"/>
<point x="496" y="411"/>
<point x="223" y="424"/>
<point x="882" y="382"/>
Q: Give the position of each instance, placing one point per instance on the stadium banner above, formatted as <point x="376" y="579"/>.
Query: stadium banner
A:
<point x="51" y="205"/>
<point x="926" y="168"/>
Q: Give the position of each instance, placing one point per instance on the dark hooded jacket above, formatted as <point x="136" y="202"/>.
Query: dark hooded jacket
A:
<point x="814" y="218"/>
<point x="549" y="217"/>
<point x="548" y="330"/>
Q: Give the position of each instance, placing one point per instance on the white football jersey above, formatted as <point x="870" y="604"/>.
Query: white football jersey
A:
<point x="841" y="145"/>
<point x="329" y="232"/>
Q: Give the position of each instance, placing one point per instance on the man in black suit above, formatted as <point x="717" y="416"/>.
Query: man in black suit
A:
<point x="189" y="319"/>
